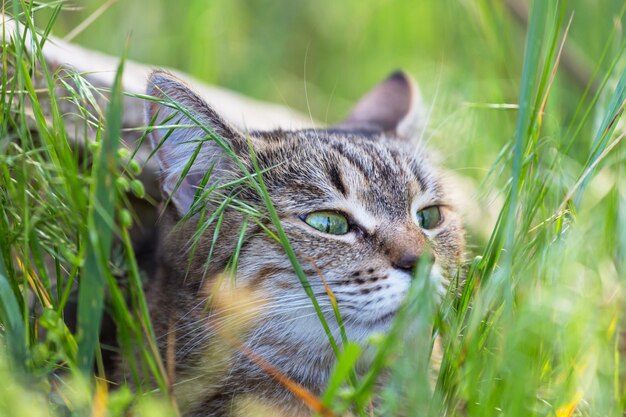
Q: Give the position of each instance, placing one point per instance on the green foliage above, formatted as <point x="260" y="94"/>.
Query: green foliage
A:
<point x="534" y="329"/>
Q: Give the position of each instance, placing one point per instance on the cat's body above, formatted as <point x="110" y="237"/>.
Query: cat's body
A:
<point x="359" y="203"/>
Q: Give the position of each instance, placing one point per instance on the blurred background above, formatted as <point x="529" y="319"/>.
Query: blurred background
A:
<point x="319" y="56"/>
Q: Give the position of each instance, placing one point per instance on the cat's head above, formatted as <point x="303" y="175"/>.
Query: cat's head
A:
<point x="359" y="202"/>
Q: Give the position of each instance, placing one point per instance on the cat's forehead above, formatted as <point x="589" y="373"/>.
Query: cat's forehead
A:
<point x="381" y="173"/>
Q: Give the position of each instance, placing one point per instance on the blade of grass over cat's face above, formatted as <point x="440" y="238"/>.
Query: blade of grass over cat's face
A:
<point x="284" y="240"/>
<point x="415" y="315"/>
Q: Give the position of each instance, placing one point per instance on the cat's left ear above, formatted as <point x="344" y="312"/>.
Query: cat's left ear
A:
<point x="189" y="139"/>
<point x="393" y="106"/>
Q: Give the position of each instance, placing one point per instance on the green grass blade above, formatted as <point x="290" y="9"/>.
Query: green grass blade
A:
<point x="343" y="370"/>
<point x="532" y="56"/>
<point x="100" y="224"/>
<point x="11" y="318"/>
<point x="606" y="129"/>
<point x="290" y="252"/>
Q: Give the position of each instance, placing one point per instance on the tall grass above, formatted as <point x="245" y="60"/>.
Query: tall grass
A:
<point x="59" y="218"/>
<point x="533" y="330"/>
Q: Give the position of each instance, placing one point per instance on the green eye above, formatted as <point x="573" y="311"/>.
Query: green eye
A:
<point x="429" y="218"/>
<point x="328" y="222"/>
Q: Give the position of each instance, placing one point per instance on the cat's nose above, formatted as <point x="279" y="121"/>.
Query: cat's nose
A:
<point x="406" y="262"/>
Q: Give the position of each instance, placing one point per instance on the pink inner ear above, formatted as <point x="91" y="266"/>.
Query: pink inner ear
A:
<point x="385" y="106"/>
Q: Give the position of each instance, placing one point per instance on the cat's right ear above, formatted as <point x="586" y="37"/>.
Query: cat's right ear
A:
<point x="184" y="128"/>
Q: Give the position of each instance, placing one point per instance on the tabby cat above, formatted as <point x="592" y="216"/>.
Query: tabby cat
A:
<point x="359" y="202"/>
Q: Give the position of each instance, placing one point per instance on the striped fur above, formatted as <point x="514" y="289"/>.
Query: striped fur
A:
<point x="369" y="168"/>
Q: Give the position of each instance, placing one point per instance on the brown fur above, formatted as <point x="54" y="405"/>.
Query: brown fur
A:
<point x="368" y="168"/>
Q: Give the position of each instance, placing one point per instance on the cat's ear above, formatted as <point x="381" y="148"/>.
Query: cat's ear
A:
<point x="394" y="106"/>
<point x="183" y="129"/>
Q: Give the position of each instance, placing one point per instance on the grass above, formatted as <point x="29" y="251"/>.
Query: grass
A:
<point x="534" y="330"/>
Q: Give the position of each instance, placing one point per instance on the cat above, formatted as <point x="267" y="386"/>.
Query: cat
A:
<point x="359" y="202"/>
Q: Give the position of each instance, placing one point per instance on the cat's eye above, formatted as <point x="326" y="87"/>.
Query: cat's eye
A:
<point x="429" y="218"/>
<point x="328" y="222"/>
